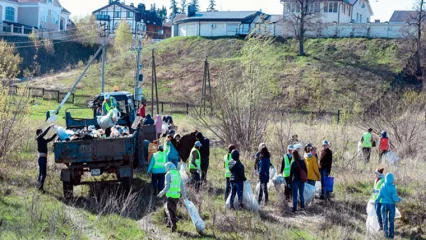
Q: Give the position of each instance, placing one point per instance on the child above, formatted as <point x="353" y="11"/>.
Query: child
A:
<point x="378" y="184"/>
<point x="388" y="197"/>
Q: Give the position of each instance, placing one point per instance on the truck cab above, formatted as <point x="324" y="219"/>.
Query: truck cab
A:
<point x="125" y="104"/>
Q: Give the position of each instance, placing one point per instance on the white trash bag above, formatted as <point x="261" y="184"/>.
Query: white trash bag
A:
<point x="308" y="193"/>
<point x="52" y="117"/>
<point x="195" y="216"/>
<point x="164" y="127"/>
<point x="109" y="120"/>
<point x="272" y="172"/>
<point x="372" y="223"/>
<point x="249" y="200"/>
<point x="391" y="158"/>
<point x="279" y="179"/>
<point x="184" y="176"/>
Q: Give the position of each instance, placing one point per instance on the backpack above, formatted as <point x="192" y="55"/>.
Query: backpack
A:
<point x="302" y="173"/>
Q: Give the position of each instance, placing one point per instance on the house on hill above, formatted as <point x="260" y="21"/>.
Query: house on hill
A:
<point x="28" y="14"/>
<point x="138" y="17"/>
<point x="335" y="11"/>
<point x="219" y="24"/>
<point x="403" y="16"/>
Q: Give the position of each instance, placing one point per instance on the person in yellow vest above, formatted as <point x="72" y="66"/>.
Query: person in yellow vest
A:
<point x="173" y="190"/>
<point x="367" y="144"/>
<point x="378" y="184"/>
<point x="311" y="162"/>
<point x="195" y="166"/>
<point x="157" y="166"/>
<point x="108" y="104"/>
<point x="227" y="158"/>
<point x="285" y="170"/>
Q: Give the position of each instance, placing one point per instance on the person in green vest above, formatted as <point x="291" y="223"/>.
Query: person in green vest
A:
<point x="108" y="104"/>
<point x="285" y="170"/>
<point x="227" y="158"/>
<point x="157" y="166"/>
<point x="367" y="144"/>
<point x="195" y="166"/>
<point x="378" y="184"/>
<point x="173" y="190"/>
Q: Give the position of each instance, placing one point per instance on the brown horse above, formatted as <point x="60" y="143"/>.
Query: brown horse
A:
<point x="187" y="142"/>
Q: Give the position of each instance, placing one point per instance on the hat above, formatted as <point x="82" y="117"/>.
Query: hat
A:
<point x="262" y="145"/>
<point x="309" y="145"/>
<point x="325" y="142"/>
<point x="290" y="147"/>
<point x="297" y="146"/>
<point x="197" y="144"/>
<point x="106" y="96"/>
<point x="380" y="171"/>
<point x="160" y="148"/>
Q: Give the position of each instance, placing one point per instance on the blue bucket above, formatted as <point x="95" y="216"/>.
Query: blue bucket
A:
<point x="329" y="184"/>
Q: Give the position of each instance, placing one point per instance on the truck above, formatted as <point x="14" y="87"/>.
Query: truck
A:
<point x="118" y="156"/>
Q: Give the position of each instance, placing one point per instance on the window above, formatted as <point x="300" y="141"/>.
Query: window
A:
<point x="129" y="14"/>
<point x="317" y="7"/>
<point x="314" y="7"/>
<point x="160" y="32"/>
<point x="54" y="18"/>
<point x="360" y="18"/>
<point x="357" y="17"/>
<point x="49" y="1"/>
<point x="343" y="8"/>
<point x="368" y="20"/>
<point x="10" y="14"/>
<point x="326" y="7"/>
<point x="335" y="7"/>
<point x="103" y="13"/>
<point x="43" y="15"/>
<point x="117" y="14"/>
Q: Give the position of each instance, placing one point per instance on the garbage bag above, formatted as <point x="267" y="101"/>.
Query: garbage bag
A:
<point x="164" y="127"/>
<point x="63" y="134"/>
<point x="109" y="120"/>
<point x="272" y="172"/>
<point x="195" y="216"/>
<point x="372" y="223"/>
<point x="397" y="214"/>
<point x="308" y="193"/>
<point x="391" y="158"/>
<point x="279" y="179"/>
<point x="249" y="200"/>
<point x="184" y="176"/>
<point x="52" y="117"/>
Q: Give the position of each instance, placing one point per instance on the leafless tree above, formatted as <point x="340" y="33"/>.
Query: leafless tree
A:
<point x="301" y="16"/>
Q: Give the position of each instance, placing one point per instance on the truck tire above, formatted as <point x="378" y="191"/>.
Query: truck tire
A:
<point x="126" y="183"/>
<point x="68" y="190"/>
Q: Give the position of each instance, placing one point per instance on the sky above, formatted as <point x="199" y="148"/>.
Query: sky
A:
<point x="383" y="9"/>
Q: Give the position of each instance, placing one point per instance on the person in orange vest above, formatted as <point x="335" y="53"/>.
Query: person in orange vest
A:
<point x="384" y="145"/>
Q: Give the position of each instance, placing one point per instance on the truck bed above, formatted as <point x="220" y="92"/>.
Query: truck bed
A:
<point x="86" y="151"/>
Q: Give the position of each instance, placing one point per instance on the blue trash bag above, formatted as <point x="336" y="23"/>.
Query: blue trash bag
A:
<point x="329" y="184"/>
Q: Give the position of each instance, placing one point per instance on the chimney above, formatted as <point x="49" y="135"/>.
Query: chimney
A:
<point x="141" y="7"/>
<point x="191" y="11"/>
<point x="132" y="5"/>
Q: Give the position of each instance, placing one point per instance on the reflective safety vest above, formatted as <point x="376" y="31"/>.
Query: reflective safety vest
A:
<point x="108" y="107"/>
<point x="165" y="148"/>
<point x="377" y="188"/>
<point x="367" y="140"/>
<point x="227" y="159"/>
<point x="160" y="160"/>
<point x="197" y="161"/>
<point x="174" y="190"/>
<point x="287" y="166"/>
<point x="384" y="144"/>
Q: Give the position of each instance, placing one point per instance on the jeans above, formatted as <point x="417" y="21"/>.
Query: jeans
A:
<point x="171" y="205"/>
<point x="378" y="208"/>
<point x="227" y="188"/>
<point x="196" y="180"/>
<point x="381" y="153"/>
<point x="174" y="161"/>
<point x="157" y="180"/>
<point x="237" y="188"/>
<point x="312" y="182"/>
<point x="287" y="190"/>
<point x="366" y="153"/>
<point x="298" y="186"/>
<point x="263" y="189"/>
<point x="388" y="215"/>
<point x="42" y="171"/>
<point x="324" y="175"/>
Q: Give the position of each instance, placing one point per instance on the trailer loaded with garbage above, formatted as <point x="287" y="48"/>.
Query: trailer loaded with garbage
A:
<point x="84" y="147"/>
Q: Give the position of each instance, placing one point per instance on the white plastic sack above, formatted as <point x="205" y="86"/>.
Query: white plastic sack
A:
<point x="397" y="214"/>
<point x="272" y="172"/>
<point x="391" y="158"/>
<point x="195" y="216"/>
<point x="372" y="223"/>
<point x="184" y="176"/>
<point x="63" y="134"/>
<point x="249" y="200"/>
<point x="308" y="193"/>
<point x="109" y="120"/>
<point x="279" y="179"/>
<point x="52" y="117"/>
<point x="164" y="127"/>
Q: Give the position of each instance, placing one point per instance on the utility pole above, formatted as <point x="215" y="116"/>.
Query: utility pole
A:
<point x="104" y="46"/>
<point x="206" y="84"/>
<point x="154" y="85"/>
<point x="139" y="66"/>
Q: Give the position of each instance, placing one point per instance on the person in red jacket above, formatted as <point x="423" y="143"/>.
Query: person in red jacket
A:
<point x="142" y="110"/>
<point x="384" y="145"/>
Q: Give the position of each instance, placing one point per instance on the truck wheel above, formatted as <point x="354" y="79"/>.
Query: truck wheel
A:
<point x="126" y="183"/>
<point x="68" y="190"/>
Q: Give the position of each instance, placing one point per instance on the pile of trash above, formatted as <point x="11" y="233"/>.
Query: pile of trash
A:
<point x="90" y="133"/>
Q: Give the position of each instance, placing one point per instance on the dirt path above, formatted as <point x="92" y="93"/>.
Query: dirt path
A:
<point x="152" y="231"/>
<point x="83" y="224"/>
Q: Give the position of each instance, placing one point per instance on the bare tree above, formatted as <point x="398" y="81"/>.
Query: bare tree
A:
<point x="300" y="16"/>
<point x="417" y="20"/>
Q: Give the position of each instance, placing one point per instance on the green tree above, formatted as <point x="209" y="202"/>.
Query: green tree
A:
<point x="196" y="5"/>
<point x="153" y="7"/>
<point x="9" y="61"/>
<point x="123" y="38"/>
<point x="183" y="6"/>
<point x="173" y="9"/>
<point x="212" y="6"/>
<point x="162" y="13"/>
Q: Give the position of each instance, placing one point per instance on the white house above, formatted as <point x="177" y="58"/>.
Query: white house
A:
<point x="334" y="11"/>
<point x="42" y="14"/>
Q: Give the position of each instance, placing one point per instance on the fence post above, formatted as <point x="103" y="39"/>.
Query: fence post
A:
<point x="42" y="93"/>
<point x="58" y="97"/>
<point x="187" y="109"/>
<point x="11" y="28"/>
<point x="162" y="107"/>
<point x="338" y="116"/>
<point x="73" y="96"/>
<point x="22" y="30"/>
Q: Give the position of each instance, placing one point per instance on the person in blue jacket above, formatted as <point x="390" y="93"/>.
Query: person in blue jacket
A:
<point x="388" y="197"/>
<point x="172" y="150"/>
<point x="263" y="171"/>
<point x="157" y="166"/>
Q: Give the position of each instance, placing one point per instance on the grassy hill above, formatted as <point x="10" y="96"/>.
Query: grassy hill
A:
<point x="336" y="74"/>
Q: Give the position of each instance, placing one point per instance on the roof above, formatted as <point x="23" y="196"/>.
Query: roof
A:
<point x="221" y="16"/>
<point x="65" y="10"/>
<point x="402" y="16"/>
<point x="130" y="8"/>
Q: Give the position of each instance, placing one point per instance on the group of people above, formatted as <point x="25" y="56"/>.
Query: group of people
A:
<point x="367" y="143"/>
